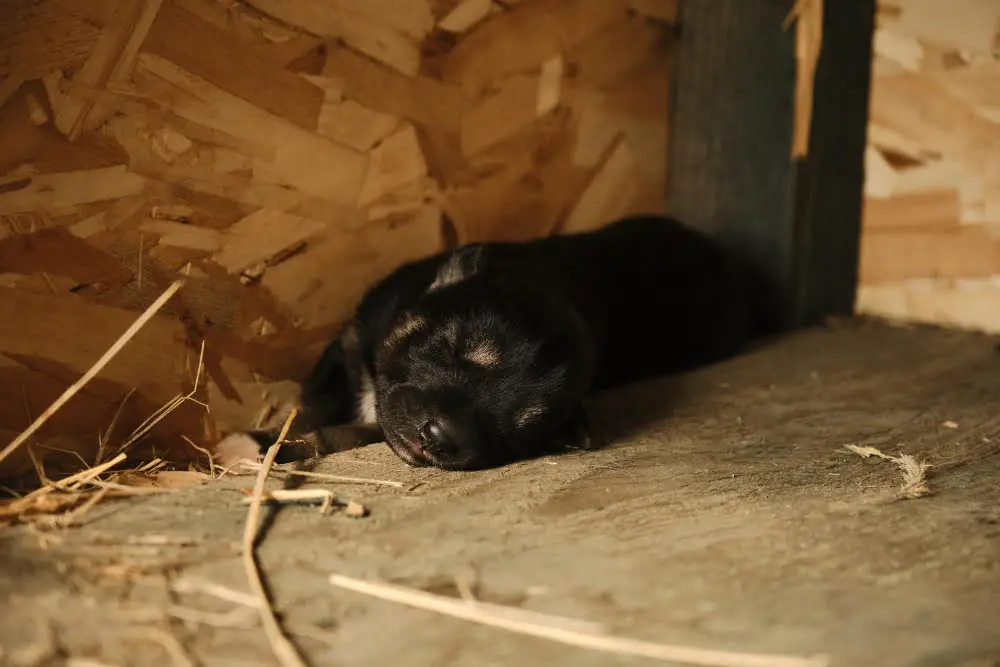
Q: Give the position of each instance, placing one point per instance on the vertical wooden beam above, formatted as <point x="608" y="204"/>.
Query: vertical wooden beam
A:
<point x="731" y="167"/>
<point x="829" y="182"/>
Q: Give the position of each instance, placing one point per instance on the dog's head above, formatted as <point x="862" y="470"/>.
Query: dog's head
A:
<point x="478" y="375"/>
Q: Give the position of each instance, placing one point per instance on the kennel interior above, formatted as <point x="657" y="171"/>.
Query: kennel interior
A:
<point x="279" y="156"/>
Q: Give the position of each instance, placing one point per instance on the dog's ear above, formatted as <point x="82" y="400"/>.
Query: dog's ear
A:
<point x="463" y="263"/>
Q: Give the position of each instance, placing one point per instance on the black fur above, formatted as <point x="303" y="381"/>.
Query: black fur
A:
<point x="483" y="355"/>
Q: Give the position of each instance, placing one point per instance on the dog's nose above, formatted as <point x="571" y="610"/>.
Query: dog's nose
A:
<point x="433" y="436"/>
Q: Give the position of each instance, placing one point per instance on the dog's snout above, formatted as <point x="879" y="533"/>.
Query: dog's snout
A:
<point x="439" y="424"/>
<point x="435" y="437"/>
<point x="431" y="432"/>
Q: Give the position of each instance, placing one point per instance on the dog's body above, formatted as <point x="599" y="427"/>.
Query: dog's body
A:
<point x="484" y="354"/>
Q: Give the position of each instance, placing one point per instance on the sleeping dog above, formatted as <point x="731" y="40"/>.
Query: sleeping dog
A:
<point x="483" y="355"/>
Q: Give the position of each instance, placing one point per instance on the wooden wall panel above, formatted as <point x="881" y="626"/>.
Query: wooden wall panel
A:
<point x="285" y="155"/>
<point x="930" y="245"/>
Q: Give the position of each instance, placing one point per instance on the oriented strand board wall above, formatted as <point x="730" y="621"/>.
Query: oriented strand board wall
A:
<point x="284" y="154"/>
<point x="930" y="249"/>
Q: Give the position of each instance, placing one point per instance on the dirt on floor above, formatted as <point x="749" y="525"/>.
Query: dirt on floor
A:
<point x="725" y="513"/>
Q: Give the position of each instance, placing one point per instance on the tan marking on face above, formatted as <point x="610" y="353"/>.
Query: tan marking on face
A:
<point x="528" y="415"/>
<point x="484" y="353"/>
<point x="407" y="325"/>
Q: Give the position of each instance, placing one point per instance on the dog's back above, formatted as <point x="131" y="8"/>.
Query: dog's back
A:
<point x="660" y="297"/>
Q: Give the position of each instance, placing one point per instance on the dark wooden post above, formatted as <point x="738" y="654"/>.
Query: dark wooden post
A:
<point x="731" y="170"/>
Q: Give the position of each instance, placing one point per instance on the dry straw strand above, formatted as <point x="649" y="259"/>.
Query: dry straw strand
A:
<point x="74" y="515"/>
<point x="914" y="472"/>
<point x="171" y="405"/>
<point x="75" y="481"/>
<point x="600" y="642"/>
<point x="94" y="370"/>
<point x="103" y="439"/>
<point x="217" y="591"/>
<point x="44" y="503"/>
<point x="283" y="649"/>
<point x="211" y="459"/>
<point x="279" y="496"/>
<point x="170" y="644"/>
<point x="914" y="477"/>
<point x="253" y="465"/>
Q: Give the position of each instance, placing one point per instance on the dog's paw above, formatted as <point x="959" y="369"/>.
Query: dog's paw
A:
<point x="237" y="447"/>
<point x="581" y="440"/>
<point x="577" y="435"/>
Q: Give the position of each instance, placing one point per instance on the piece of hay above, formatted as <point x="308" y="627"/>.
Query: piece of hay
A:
<point x="170" y="644"/>
<point x="188" y="585"/>
<point x="104" y="438"/>
<point x="168" y="407"/>
<point x="237" y="617"/>
<point x="163" y="479"/>
<point x="324" y="497"/>
<point x="864" y="451"/>
<point x="76" y="481"/>
<point x="914" y="472"/>
<point x="244" y="601"/>
<point x="94" y="370"/>
<point x="77" y="494"/>
<point x="356" y="510"/>
<point x="66" y="495"/>
<point x="56" y="496"/>
<point x="73" y="517"/>
<point x="914" y="477"/>
<point x="463" y="582"/>
<point x="599" y="642"/>
<point x="253" y="465"/>
<point x="208" y="454"/>
<point x="283" y="649"/>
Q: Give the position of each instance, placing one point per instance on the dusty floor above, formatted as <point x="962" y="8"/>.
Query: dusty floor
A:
<point x="726" y="514"/>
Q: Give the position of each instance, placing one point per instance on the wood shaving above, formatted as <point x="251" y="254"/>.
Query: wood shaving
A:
<point x="914" y="472"/>
<point x="511" y="621"/>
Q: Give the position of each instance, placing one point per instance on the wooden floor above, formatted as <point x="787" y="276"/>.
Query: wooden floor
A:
<point x="726" y="514"/>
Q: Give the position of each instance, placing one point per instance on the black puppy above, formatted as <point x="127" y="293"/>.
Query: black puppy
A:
<point x="483" y="355"/>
